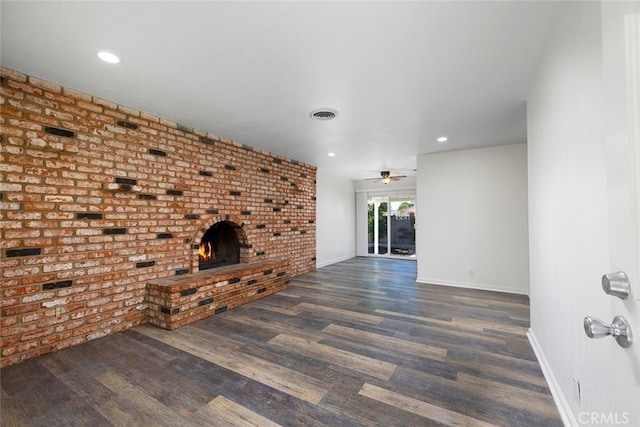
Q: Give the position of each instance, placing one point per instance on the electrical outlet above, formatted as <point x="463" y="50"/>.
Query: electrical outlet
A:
<point x="577" y="392"/>
<point x="58" y="311"/>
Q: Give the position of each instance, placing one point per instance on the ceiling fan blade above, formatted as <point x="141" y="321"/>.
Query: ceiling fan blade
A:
<point x="386" y="176"/>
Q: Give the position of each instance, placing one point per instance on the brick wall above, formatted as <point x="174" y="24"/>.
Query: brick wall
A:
<point x="97" y="199"/>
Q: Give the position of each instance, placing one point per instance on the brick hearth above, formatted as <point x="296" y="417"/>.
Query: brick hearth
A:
<point x="98" y="200"/>
<point x="180" y="300"/>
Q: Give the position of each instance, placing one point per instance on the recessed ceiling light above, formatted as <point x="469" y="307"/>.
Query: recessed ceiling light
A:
<point x="108" y="57"/>
<point x="331" y="154"/>
<point x="443" y="139"/>
<point x="323" y="114"/>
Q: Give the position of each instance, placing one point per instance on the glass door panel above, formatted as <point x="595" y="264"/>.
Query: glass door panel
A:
<point x="402" y="220"/>
<point x="378" y="228"/>
<point x="371" y="229"/>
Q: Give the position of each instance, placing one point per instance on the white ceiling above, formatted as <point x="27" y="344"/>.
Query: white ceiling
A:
<point x="400" y="74"/>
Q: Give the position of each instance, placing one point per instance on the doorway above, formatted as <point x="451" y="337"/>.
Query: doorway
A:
<point x="391" y="226"/>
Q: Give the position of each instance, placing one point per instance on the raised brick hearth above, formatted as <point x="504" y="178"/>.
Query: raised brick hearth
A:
<point x="97" y="200"/>
<point x="180" y="300"/>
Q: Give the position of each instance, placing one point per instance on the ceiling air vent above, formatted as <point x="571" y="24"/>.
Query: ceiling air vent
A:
<point x="323" y="114"/>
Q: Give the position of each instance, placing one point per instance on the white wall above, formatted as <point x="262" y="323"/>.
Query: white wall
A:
<point x="471" y="224"/>
<point x="569" y="224"/>
<point x="335" y="219"/>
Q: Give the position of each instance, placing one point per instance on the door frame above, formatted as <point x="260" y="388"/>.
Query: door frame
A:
<point x="632" y="39"/>
<point x="362" y="197"/>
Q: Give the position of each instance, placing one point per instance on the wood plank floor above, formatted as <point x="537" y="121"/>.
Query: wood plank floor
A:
<point x="355" y="343"/>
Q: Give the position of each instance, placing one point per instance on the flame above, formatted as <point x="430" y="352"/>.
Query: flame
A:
<point x="206" y="252"/>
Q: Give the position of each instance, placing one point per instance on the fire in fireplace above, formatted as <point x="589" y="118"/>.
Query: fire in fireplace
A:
<point x="219" y="246"/>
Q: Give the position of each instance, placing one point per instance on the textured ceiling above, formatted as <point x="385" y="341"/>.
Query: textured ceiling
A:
<point x="400" y="74"/>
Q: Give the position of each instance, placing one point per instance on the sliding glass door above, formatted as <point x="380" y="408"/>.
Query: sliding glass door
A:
<point x="391" y="226"/>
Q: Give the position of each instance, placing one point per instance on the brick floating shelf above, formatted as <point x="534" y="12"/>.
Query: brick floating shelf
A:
<point x="180" y="300"/>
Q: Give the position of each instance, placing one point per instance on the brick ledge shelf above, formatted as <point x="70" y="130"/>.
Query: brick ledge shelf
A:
<point x="180" y="300"/>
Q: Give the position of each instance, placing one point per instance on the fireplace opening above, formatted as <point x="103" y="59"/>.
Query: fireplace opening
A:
<point x="219" y="246"/>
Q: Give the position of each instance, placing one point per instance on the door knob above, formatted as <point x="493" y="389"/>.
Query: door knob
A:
<point x="619" y="329"/>
<point x="616" y="284"/>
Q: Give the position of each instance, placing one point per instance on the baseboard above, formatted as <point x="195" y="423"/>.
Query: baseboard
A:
<point x="481" y="286"/>
<point x="558" y="397"/>
<point x="320" y="264"/>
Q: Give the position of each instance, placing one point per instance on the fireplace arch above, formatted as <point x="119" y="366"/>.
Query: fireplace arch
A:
<point x="219" y="246"/>
<point x="222" y="243"/>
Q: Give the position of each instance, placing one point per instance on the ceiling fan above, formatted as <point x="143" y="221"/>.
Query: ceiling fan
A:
<point x="385" y="176"/>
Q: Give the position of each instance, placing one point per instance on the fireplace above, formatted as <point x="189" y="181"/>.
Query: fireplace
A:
<point x="142" y="222"/>
<point x="220" y="246"/>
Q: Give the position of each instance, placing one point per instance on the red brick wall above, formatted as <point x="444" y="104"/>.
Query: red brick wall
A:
<point x="98" y="198"/>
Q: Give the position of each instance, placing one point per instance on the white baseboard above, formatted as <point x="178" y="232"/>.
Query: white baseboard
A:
<point x="481" y="286"/>
<point x="558" y="397"/>
<point x="320" y="264"/>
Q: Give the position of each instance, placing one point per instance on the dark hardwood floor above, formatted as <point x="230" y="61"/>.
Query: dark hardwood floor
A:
<point x="355" y="343"/>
